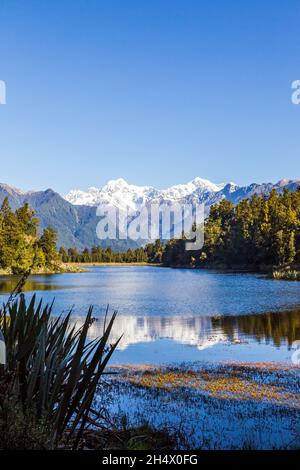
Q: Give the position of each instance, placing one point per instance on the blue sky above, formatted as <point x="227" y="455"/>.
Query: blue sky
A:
<point x="157" y="92"/>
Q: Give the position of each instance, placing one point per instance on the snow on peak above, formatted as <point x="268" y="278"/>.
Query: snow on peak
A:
<point x="119" y="193"/>
<point x="115" y="184"/>
<point x="207" y="185"/>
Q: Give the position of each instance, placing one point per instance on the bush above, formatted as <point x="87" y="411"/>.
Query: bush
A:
<point x="287" y="274"/>
<point x="51" y="376"/>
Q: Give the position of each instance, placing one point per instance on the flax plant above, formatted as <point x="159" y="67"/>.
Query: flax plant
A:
<point x="52" y="371"/>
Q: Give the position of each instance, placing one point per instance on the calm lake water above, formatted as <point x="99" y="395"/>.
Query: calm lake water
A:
<point x="177" y="315"/>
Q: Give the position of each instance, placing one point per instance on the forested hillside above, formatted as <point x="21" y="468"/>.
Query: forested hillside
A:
<point x="261" y="231"/>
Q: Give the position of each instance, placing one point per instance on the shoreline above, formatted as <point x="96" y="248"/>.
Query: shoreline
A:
<point x="288" y="273"/>
<point x="284" y="273"/>
<point x="114" y="264"/>
<point x="61" y="269"/>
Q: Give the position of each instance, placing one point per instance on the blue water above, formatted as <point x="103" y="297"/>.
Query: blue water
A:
<point x="176" y="315"/>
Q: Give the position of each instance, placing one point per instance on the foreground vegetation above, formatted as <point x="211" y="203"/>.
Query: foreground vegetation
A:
<point x="52" y="394"/>
<point x="213" y="406"/>
<point x="52" y="373"/>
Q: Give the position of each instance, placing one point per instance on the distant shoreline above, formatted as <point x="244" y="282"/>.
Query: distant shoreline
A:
<point x="60" y="269"/>
<point x="114" y="264"/>
<point x="289" y="272"/>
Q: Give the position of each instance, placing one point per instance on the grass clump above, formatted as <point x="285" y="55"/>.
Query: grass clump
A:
<point x="287" y="274"/>
<point x="143" y="437"/>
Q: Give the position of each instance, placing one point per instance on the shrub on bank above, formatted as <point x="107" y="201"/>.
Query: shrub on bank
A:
<point x="287" y="274"/>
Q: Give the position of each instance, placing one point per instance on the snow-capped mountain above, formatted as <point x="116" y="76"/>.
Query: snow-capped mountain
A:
<point x="120" y="194"/>
<point x="75" y="217"/>
<point x="130" y="200"/>
<point x="124" y="196"/>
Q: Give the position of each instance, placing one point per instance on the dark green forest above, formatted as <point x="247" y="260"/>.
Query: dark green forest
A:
<point x="257" y="232"/>
<point x="151" y="253"/>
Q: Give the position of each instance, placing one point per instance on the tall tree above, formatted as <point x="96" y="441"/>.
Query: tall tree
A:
<point x="47" y="243"/>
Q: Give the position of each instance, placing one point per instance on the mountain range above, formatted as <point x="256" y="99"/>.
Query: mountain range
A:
<point x="74" y="215"/>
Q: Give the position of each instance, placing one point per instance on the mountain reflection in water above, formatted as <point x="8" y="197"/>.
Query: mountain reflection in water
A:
<point x="202" y="332"/>
<point x="178" y="315"/>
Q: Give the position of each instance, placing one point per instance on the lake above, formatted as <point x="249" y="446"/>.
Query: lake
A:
<point x="179" y="315"/>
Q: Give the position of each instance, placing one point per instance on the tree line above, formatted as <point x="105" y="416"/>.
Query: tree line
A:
<point x="257" y="232"/>
<point x="151" y="253"/>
